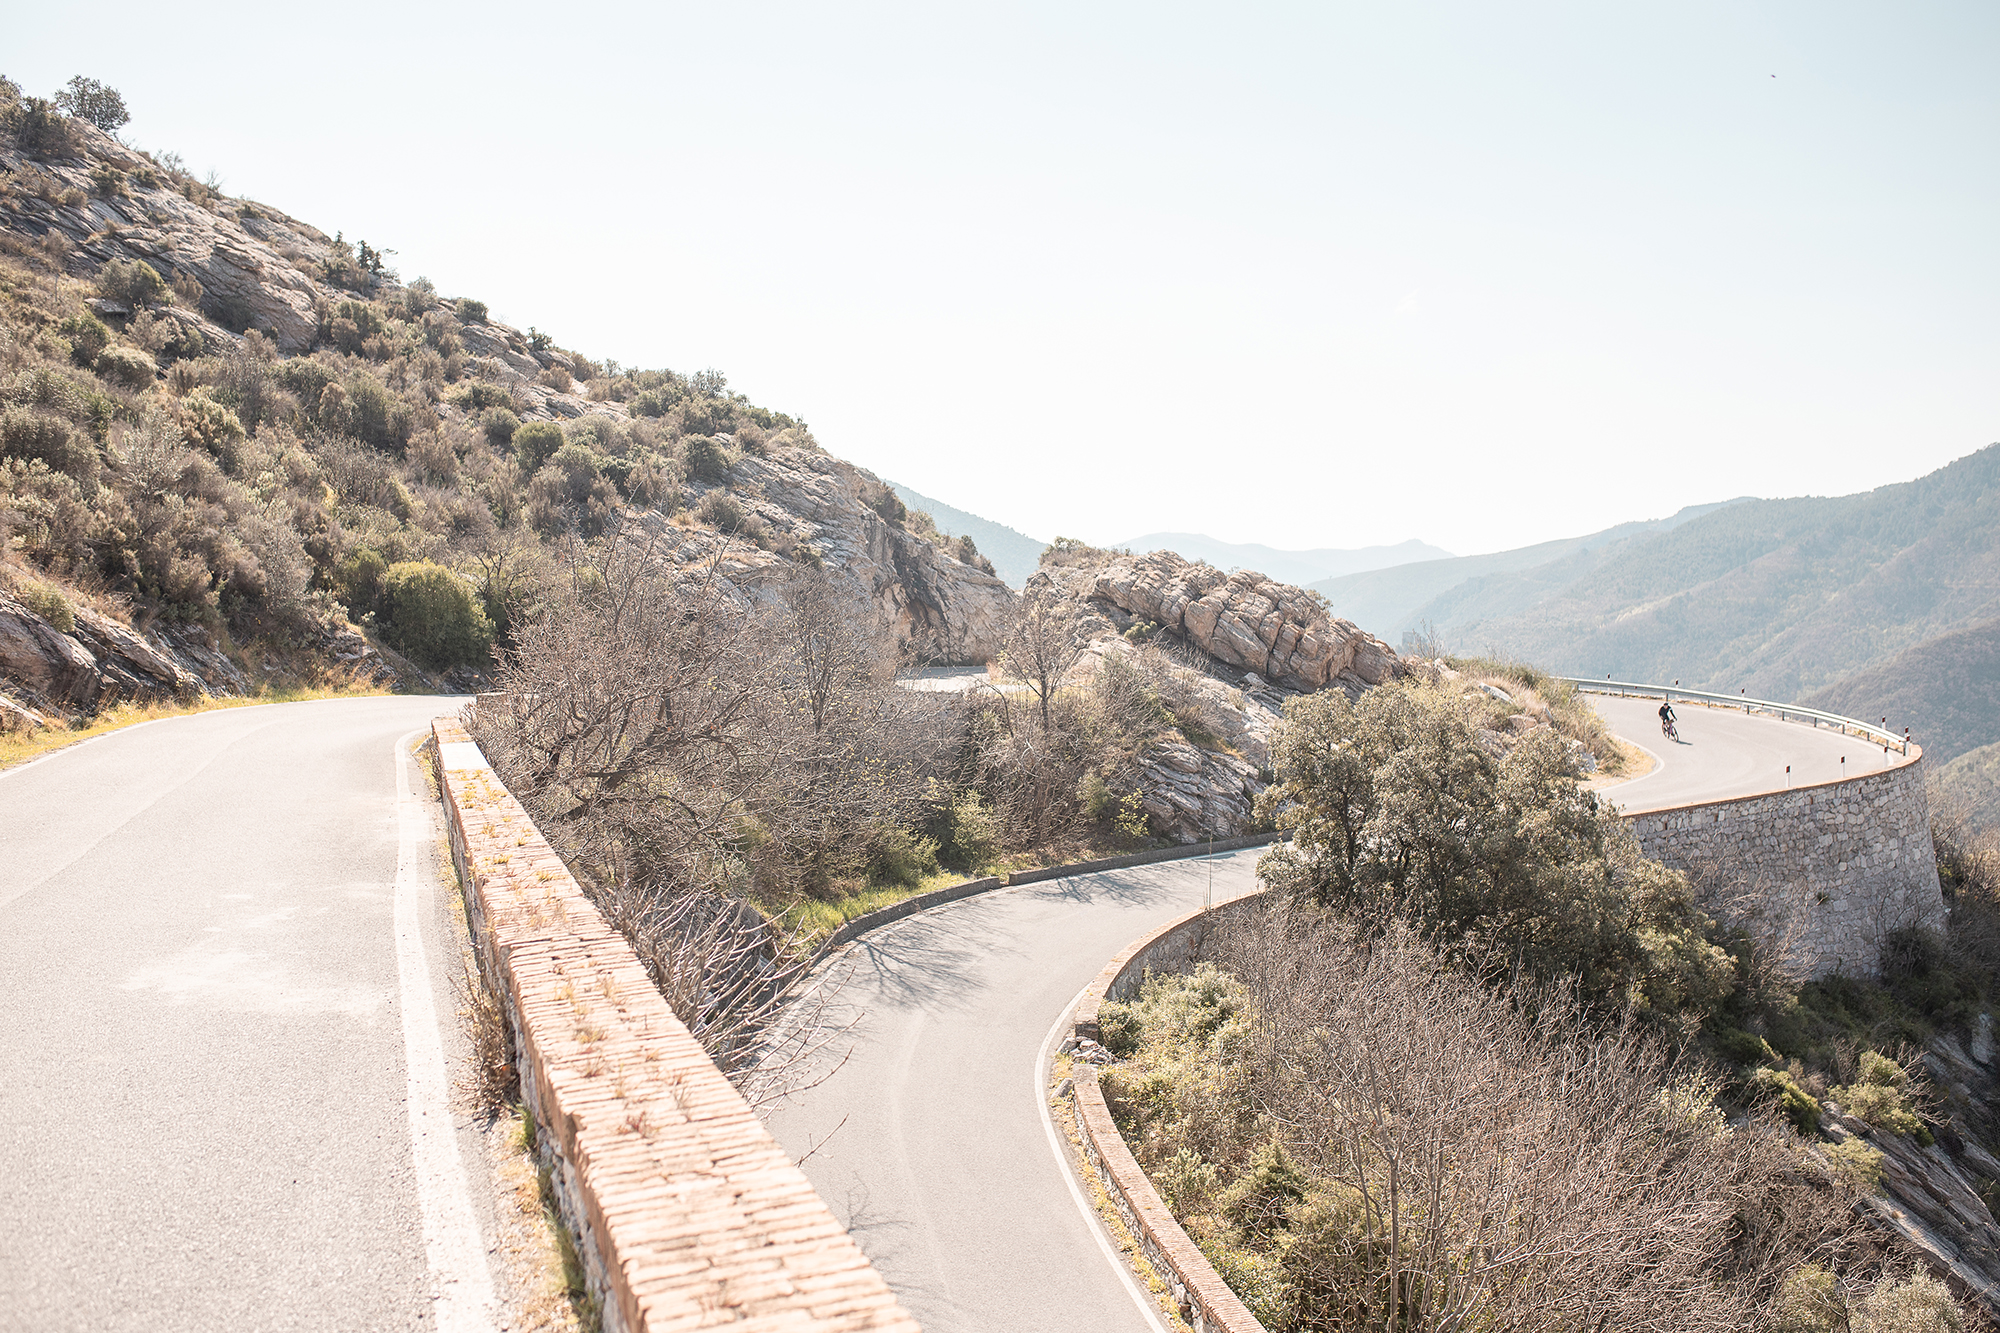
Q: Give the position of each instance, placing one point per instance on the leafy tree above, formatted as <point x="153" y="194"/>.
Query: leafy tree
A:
<point x="430" y="613"/>
<point x="1398" y="812"/>
<point x="41" y="129"/>
<point x="98" y="103"/>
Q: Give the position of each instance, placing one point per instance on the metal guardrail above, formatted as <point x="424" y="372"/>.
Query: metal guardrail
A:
<point x="1888" y="740"/>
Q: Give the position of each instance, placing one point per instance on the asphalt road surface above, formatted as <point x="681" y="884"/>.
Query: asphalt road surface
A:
<point x="1723" y="752"/>
<point x="931" y="1141"/>
<point x="223" y="1076"/>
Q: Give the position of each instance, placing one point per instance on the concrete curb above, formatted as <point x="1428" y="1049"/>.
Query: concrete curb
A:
<point x="882" y="916"/>
<point x="1206" y="1301"/>
<point x="685" y="1211"/>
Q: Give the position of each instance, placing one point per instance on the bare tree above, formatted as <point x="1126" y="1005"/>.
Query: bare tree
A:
<point x="1416" y="1151"/>
<point x="1043" y="647"/>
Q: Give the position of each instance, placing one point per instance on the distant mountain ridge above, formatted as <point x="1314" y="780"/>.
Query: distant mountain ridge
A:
<point x="1779" y="597"/>
<point x="1296" y="567"/>
<point x="1444" y="593"/>
<point x="1014" y="553"/>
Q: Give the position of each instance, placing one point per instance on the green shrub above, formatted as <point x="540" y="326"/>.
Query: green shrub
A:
<point x="1880" y="1096"/>
<point x="358" y="579"/>
<point x="431" y="615"/>
<point x="480" y="396"/>
<point x="376" y="416"/>
<point x="535" y="442"/>
<point x="1793" y="1102"/>
<point x="708" y="459"/>
<point x="37" y="435"/>
<point x="499" y="423"/>
<point x="898" y="856"/>
<point x="212" y="426"/>
<point x="469" y="310"/>
<point x="888" y="505"/>
<point x="1119" y="1027"/>
<point x="969" y="833"/>
<point x="721" y="510"/>
<point x="41" y="129"/>
<point x="132" y="281"/>
<point x="87" y="337"/>
<point x="47" y="601"/>
<point x="1857" y="1164"/>
<point x="1738" y="1047"/>
<point x="128" y="366"/>
<point x="1918" y="1303"/>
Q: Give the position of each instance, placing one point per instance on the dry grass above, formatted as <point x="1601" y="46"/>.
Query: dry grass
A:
<point x="20" y="746"/>
<point x="1062" y="1109"/>
<point x="544" y="1293"/>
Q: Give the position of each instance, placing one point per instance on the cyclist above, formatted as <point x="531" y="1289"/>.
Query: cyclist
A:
<point x="1667" y="727"/>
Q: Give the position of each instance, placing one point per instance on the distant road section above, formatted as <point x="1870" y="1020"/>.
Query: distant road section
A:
<point x="1724" y="753"/>
<point x="205" y="1097"/>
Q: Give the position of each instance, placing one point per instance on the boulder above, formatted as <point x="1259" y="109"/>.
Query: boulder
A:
<point x="1278" y="632"/>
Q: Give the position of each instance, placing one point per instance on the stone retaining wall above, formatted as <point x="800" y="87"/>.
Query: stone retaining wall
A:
<point x="685" y="1211"/>
<point x="1834" y="867"/>
<point x="1205" y="1300"/>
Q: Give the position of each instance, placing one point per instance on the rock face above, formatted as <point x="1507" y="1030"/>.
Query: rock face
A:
<point x="812" y="505"/>
<point x="1281" y="633"/>
<point x="1280" y="638"/>
<point x="1937" y="1198"/>
<point x="102" y="662"/>
<point x="1190" y="794"/>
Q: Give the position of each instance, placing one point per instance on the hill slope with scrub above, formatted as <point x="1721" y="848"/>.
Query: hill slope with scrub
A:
<point x="234" y="448"/>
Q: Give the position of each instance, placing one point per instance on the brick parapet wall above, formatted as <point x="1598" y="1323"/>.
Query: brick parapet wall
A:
<point x="1837" y="865"/>
<point x="686" y="1212"/>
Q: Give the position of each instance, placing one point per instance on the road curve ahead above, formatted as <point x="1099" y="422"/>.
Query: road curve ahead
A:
<point x="930" y="1141"/>
<point x="206" y="1078"/>
<point x="1723" y="752"/>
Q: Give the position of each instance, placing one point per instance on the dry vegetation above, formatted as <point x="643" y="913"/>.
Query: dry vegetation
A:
<point x="1362" y="1136"/>
<point x="162" y="462"/>
<point x="1478" y="1064"/>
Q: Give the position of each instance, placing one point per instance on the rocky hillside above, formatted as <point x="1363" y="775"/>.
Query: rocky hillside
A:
<point x="1245" y="643"/>
<point x="233" y="448"/>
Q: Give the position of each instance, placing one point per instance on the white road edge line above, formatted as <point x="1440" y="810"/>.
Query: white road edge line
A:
<point x="1112" y="1254"/>
<point x="461" y="1285"/>
<point x="1659" y="767"/>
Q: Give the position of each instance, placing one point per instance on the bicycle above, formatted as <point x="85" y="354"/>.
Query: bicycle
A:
<point x="1669" y="730"/>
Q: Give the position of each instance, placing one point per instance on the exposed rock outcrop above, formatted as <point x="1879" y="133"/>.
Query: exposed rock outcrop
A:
<point x="52" y="673"/>
<point x="1263" y="641"/>
<point x="1940" y="1199"/>
<point x="1281" y="633"/>
<point x="102" y="662"/>
<point x="1189" y="793"/>
<point x="812" y="506"/>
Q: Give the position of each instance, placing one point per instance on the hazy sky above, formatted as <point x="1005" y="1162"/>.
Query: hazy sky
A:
<point x="1314" y="275"/>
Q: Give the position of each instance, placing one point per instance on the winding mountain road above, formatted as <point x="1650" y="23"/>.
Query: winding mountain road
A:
<point x="223" y="1079"/>
<point x="1724" y="752"/>
<point x="932" y="1141"/>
